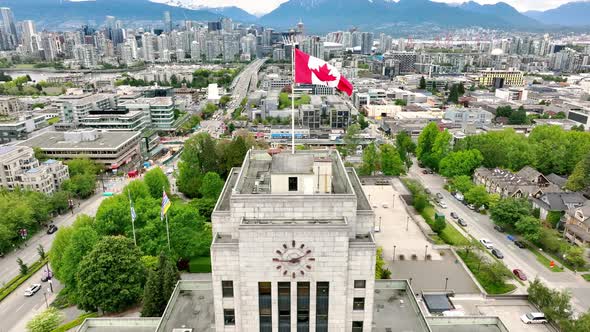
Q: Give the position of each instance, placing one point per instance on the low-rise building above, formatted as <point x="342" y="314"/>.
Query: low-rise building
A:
<point x="110" y="149"/>
<point x="557" y="202"/>
<point x="577" y="227"/>
<point x="525" y="183"/>
<point x="159" y="109"/>
<point x="19" y="128"/>
<point x="116" y="120"/>
<point x="469" y="116"/>
<point x="20" y="168"/>
<point x="9" y="105"/>
<point x="501" y="78"/>
<point x="77" y="105"/>
<point x="512" y="94"/>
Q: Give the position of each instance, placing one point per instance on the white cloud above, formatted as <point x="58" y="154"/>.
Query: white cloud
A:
<point x="256" y="7"/>
<point x="521" y="5"/>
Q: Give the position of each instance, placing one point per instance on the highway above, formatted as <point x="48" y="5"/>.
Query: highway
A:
<point x="481" y="226"/>
<point x="245" y="82"/>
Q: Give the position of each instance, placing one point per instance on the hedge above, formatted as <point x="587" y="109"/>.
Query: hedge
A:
<point x="199" y="265"/>
<point x="20" y="279"/>
<point x="78" y="321"/>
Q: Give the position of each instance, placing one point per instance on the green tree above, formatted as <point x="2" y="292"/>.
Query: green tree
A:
<point x="59" y="201"/>
<point x="113" y="215"/>
<point x="82" y="166"/>
<point x="39" y="154"/>
<point x="440" y="149"/>
<point x="554" y="304"/>
<point x="580" y="178"/>
<point x="477" y="196"/>
<point x="574" y="255"/>
<point x="138" y="189"/>
<point x="351" y="138"/>
<point x="211" y="185"/>
<point x="82" y="241"/>
<point x="529" y="227"/>
<point x="439" y="225"/>
<point x="111" y="276"/>
<point x="156" y="181"/>
<point x="192" y="235"/>
<point x="45" y="321"/>
<point x="58" y="248"/>
<point x="41" y="251"/>
<point x="517" y="117"/>
<point x="391" y="163"/>
<point x="454" y="95"/>
<point x="362" y="121"/>
<point x="420" y="202"/>
<point x="460" y="163"/>
<point x="22" y="267"/>
<point x="405" y="146"/>
<point x="461" y="89"/>
<point x="159" y="287"/>
<point x="422" y="85"/>
<point x="370" y="160"/>
<point x="426" y="141"/>
<point x="462" y="183"/>
<point x="224" y="100"/>
<point x="508" y="211"/>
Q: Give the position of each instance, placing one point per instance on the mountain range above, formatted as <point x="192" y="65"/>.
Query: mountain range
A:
<point x="319" y="16"/>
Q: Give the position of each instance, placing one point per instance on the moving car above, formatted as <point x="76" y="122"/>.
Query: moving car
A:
<point x="46" y="276"/>
<point x="520" y="244"/>
<point x="34" y="288"/>
<point x="519" y="274"/>
<point x="454" y="215"/>
<point x="534" y="318"/>
<point x="499" y="228"/>
<point x="497" y="253"/>
<point x="52" y="229"/>
<point x="462" y="222"/>
<point x="487" y="243"/>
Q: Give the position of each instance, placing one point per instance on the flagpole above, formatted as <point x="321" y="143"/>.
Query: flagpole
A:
<point x="132" y="218"/>
<point x="293" y="98"/>
<point x="168" y="232"/>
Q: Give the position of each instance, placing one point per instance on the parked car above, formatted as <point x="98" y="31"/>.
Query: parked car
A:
<point x="424" y="171"/>
<point x="459" y="196"/>
<point x="442" y="205"/>
<point x="439" y="196"/>
<point x="487" y="243"/>
<point x="520" y="244"/>
<point x="454" y="215"/>
<point x="534" y="318"/>
<point x="46" y="276"/>
<point x="462" y="222"/>
<point x="427" y="191"/>
<point x="519" y="274"/>
<point x="34" y="288"/>
<point x="497" y="253"/>
<point x="471" y="207"/>
<point x="52" y="229"/>
<point x="499" y="228"/>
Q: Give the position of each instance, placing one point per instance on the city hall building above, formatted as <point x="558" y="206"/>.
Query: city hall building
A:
<point x="293" y="248"/>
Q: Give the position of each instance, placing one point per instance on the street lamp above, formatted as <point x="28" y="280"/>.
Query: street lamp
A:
<point x="393" y="202"/>
<point x="425" y="251"/>
<point x="446" y="282"/>
<point x="394" y="252"/>
<point x="407" y="222"/>
<point x="411" y="281"/>
<point x="379" y="223"/>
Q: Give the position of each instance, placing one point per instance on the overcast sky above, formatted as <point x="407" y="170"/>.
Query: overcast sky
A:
<point x="260" y="7"/>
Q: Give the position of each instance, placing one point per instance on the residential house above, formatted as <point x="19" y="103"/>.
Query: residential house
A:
<point x="557" y="202"/>
<point x="524" y="183"/>
<point x="577" y="227"/>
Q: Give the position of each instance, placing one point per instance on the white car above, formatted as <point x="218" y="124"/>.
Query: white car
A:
<point x="442" y="205"/>
<point x="533" y="318"/>
<point x="487" y="243"/>
<point x="34" y="288"/>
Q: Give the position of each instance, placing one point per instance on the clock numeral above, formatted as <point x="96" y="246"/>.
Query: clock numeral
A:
<point x="293" y="243"/>
<point x="308" y="267"/>
<point x="285" y="272"/>
<point x="275" y="259"/>
<point x="293" y="275"/>
<point x="284" y="246"/>
<point x="279" y="267"/>
<point x="302" y="272"/>
<point x="279" y="252"/>
<point x="301" y="246"/>
<point x="311" y="259"/>
<point x="308" y="252"/>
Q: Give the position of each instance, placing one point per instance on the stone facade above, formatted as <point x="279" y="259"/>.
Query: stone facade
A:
<point x="296" y="238"/>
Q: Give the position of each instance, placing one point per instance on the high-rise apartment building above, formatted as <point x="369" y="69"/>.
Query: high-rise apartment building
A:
<point x="8" y="28"/>
<point x="167" y="21"/>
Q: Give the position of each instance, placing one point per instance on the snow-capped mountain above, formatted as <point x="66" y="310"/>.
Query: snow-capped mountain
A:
<point x="254" y="8"/>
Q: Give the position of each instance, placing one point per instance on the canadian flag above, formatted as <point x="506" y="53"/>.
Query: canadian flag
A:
<point x="311" y="70"/>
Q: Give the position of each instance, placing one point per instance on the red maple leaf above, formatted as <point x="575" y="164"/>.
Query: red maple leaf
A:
<point x="323" y="73"/>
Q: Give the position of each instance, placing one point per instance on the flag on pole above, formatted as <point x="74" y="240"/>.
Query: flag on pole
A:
<point x="311" y="70"/>
<point x="165" y="205"/>
<point x="133" y="214"/>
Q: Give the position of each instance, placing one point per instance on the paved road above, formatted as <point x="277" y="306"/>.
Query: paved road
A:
<point x="481" y="226"/>
<point x="244" y="83"/>
<point x="16" y="309"/>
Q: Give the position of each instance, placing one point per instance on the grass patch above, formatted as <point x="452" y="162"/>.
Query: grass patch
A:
<point x="544" y="260"/>
<point x="53" y="120"/>
<point x="586" y="276"/>
<point x="562" y="262"/>
<point x="450" y="234"/>
<point x="20" y="279"/>
<point x="199" y="265"/>
<point x="485" y="275"/>
<point x="76" y="322"/>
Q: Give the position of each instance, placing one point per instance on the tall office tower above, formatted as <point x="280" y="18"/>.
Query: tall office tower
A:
<point x="195" y="51"/>
<point x="167" y="21"/>
<point x="357" y="38"/>
<point x="384" y="43"/>
<point x="231" y="46"/>
<point x="9" y="27"/>
<point x="110" y="25"/>
<point x="248" y="44"/>
<point x="293" y="248"/>
<point x="147" y="47"/>
<point x="227" y="24"/>
<point x="267" y="37"/>
<point x="30" y="39"/>
<point x="366" y="42"/>
<point x="86" y="56"/>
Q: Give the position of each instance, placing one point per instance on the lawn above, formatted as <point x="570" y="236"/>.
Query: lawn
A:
<point x="586" y="276"/>
<point x="479" y="270"/>
<point x="450" y="234"/>
<point x="544" y="260"/>
<point x="200" y="265"/>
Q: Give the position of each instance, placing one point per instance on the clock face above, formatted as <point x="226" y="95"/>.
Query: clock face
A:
<point x="293" y="259"/>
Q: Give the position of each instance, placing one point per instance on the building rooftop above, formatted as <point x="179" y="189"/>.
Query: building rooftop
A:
<point x="56" y="141"/>
<point x="292" y="164"/>
<point x="190" y="306"/>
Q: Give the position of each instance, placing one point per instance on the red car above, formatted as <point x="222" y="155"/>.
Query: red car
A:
<point x="519" y="274"/>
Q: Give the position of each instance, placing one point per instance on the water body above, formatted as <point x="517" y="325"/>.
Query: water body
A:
<point x="37" y="76"/>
